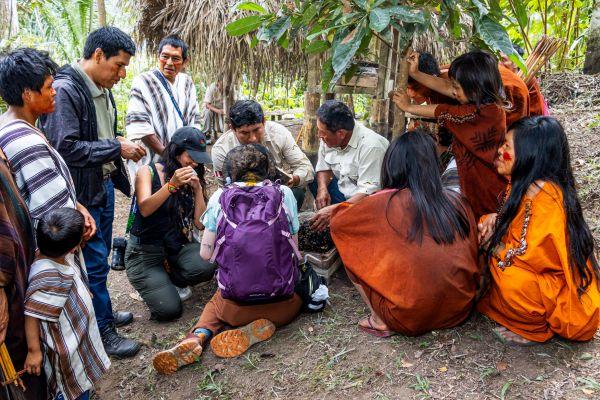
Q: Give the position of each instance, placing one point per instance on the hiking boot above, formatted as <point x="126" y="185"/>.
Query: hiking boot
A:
<point x="235" y="342"/>
<point x="186" y="352"/>
<point x="122" y="318"/>
<point x="116" y="345"/>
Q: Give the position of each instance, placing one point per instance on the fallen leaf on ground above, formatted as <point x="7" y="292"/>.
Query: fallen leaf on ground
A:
<point x="587" y="391"/>
<point x="406" y="364"/>
<point x="218" y="367"/>
<point x="502" y="366"/>
<point x="443" y="369"/>
<point x="418" y="353"/>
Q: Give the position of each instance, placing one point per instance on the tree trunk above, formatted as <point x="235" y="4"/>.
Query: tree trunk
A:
<point x="592" y="55"/>
<point x="380" y="106"/>
<point x="401" y="83"/>
<point x="9" y="20"/>
<point x="312" y="101"/>
<point x="101" y="12"/>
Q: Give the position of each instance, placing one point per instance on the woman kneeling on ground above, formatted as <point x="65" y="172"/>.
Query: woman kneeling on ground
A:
<point x="161" y="258"/>
<point x="260" y="224"/>
<point x="411" y="248"/>
<point x="540" y="251"/>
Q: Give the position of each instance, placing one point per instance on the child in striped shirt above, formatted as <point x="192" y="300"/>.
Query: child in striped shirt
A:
<point x="59" y="311"/>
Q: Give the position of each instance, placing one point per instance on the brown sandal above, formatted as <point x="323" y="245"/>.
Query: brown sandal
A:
<point x="234" y="342"/>
<point x="184" y="353"/>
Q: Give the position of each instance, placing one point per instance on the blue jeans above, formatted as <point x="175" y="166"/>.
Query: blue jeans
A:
<point x="96" y="253"/>
<point x="84" y="396"/>
<point x="332" y="188"/>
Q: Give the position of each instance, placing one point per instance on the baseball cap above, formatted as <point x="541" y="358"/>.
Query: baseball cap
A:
<point x="194" y="142"/>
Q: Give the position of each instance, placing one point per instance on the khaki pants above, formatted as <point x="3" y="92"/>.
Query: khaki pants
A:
<point x="220" y="312"/>
<point x="146" y="272"/>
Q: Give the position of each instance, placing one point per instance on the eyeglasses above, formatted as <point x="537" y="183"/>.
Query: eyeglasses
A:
<point x="166" y="57"/>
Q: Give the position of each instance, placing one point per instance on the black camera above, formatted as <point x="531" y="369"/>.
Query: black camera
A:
<point x="118" y="254"/>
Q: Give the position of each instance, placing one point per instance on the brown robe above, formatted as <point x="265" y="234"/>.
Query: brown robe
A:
<point x="477" y="135"/>
<point x="414" y="287"/>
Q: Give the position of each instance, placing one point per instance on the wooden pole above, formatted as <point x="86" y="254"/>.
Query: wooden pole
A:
<point x="312" y="101"/>
<point x="380" y="106"/>
<point x="400" y="86"/>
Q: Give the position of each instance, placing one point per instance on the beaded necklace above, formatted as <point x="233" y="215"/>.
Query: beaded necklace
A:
<point x="520" y="250"/>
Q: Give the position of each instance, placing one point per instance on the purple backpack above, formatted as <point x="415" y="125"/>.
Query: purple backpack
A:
<point x="256" y="256"/>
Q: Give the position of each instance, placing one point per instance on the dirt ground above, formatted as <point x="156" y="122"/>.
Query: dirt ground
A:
<point x="324" y="356"/>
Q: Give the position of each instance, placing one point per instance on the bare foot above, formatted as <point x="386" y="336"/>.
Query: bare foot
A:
<point x="511" y="337"/>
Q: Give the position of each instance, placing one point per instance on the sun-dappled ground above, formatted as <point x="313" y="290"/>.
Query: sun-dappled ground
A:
<point x="324" y="356"/>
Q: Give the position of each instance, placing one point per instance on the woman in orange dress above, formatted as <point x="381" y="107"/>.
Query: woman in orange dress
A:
<point x="540" y="251"/>
<point x="410" y="249"/>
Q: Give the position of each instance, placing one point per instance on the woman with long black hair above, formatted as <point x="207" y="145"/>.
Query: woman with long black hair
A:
<point x="410" y="249"/>
<point x="162" y="258"/>
<point x="540" y="251"/>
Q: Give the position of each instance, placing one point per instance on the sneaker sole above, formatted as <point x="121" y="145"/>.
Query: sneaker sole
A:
<point x="185" y="353"/>
<point x="234" y="342"/>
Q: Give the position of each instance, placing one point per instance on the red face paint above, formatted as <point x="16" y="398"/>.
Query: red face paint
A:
<point x="506" y="156"/>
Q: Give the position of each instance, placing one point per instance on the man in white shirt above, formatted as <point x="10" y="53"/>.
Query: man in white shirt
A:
<point x="161" y="101"/>
<point x="249" y="126"/>
<point x="213" y="114"/>
<point x="349" y="163"/>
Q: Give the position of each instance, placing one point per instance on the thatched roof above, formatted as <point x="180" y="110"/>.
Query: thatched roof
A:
<point x="201" y="23"/>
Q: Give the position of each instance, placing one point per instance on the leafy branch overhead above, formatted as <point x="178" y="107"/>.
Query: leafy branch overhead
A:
<point x="344" y="29"/>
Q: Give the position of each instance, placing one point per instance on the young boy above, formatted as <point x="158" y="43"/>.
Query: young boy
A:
<point x="58" y="308"/>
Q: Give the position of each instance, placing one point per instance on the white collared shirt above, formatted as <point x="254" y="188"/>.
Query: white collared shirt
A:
<point x="281" y="144"/>
<point x="358" y="166"/>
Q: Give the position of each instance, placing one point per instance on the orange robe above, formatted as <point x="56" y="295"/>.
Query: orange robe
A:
<point x="517" y="93"/>
<point x="414" y="287"/>
<point x="536" y="99"/>
<point x="536" y="296"/>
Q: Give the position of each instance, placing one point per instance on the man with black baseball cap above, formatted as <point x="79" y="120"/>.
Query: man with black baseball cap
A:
<point x="171" y="198"/>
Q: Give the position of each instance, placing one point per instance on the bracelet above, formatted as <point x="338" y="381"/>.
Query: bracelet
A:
<point x="171" y="188"/>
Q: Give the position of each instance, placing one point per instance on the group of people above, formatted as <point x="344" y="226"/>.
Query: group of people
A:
<point x="499" y="228"/>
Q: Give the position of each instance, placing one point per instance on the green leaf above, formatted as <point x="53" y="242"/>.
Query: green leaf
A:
<point x="496" y="38"/>
<point x="254" y="42"/>
<point x="350" y="72"/>
<point x="407" y="14"/>
<point x="379" y="19"/>
<point x="481" y="8"/>
<point x="343" y="52"/>
<point x="308" y="14"/>
<point x="326" y="75"/>
<point x="243" y="25"/>
<point x="504" y="390"/>
<point x="284" y="41"/>
<point x="318" y="46"/>
<point x="250" y="6"/>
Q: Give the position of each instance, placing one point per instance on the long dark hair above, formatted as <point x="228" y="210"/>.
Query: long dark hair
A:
<point x="542" y="154"/>
<point x="478" y="75"/>
<point x="181" y="203"/>
<point x="411" y="163"/>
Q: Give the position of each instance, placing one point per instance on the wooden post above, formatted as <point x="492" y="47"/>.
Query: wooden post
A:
<point x="401" y="83"/>
<point x="312" y="101"/>
<point x="380" y="106"/>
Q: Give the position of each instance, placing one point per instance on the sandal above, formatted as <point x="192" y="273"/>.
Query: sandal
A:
<point x="184" y="353"/>
<point x="234" y="342"/>
<point x="374" y="331"/>
<point x="517" y="340"/>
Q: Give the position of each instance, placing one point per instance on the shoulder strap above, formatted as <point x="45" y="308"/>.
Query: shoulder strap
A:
<point x="165" y="84"/>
